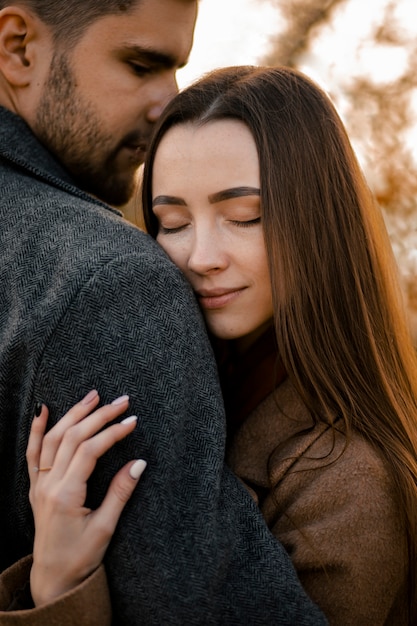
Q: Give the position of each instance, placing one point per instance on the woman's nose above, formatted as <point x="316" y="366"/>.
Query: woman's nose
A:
<point x="207" y="255"/>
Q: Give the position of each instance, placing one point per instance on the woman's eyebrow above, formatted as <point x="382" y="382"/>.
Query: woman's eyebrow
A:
<point x="219" y="196"/>
<point x="234" y="192"/>
<point x="168" y="200"/>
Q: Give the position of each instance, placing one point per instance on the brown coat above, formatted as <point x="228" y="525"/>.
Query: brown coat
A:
<point x="334" y="509"/>
<point x="88" y="604"/>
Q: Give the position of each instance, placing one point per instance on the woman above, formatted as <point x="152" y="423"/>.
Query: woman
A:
<point x="252" y="188"/>
<point x="319" y="447"/>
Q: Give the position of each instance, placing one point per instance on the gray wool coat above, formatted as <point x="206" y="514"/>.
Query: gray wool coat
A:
<point x="88" y="301"/>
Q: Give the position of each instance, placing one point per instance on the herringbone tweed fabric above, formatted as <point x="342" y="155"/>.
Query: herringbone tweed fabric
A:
<point x="87" y="300"/>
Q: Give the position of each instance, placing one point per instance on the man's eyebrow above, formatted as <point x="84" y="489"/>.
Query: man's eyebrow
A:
<point x="168" y="200"/>
<point x="155" y="57"/>
<point x="234" y="192"/>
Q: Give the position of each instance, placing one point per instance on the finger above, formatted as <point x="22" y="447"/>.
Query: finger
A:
<point x="34" y="447"/>
<point x="76" y="462"/>
<point x="105" y="518"/>
<point x="76" y="413"/>
<point x="67" y="427"/>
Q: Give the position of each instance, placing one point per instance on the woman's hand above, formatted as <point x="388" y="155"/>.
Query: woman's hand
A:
<point x="70" y="539"/>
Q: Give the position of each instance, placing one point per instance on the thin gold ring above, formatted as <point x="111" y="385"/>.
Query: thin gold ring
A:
<point x="42" y="469"/>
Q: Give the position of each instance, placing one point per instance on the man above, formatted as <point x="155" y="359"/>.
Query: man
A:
<point x="89" y="301"/>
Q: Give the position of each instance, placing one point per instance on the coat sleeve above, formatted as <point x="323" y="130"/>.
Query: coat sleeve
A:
<point x="191" y="546"/>
<point x="337" y="515"/>
<point x="87" y="605"/>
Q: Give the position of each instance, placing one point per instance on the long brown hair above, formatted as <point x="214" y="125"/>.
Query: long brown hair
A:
<point x="340" y="324"/>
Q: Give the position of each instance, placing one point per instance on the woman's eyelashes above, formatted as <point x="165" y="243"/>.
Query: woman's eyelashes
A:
<point x="246" y="223"/>
<point x="169" y="230"/>
<point x="172" y="230"/>
<point x="165" y="230"/>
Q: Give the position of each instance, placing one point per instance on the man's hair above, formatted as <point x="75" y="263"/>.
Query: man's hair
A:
<point x="68" y="19"/>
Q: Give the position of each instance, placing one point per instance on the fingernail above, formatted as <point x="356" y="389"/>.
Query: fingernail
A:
<point x="38" y="409"/>
<point x="129" y="420"/>
<point x="90" y="396"/>
<point x="120" y="400"/>
<point x="137" y="469"/>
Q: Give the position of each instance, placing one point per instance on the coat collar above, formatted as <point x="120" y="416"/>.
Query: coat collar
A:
<point x="277" y="435"/>
<point x="19" y="146"/>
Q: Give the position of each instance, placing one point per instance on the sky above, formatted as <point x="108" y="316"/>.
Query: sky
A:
<point x="229" y="32"/>
<point x="237" y="32"/>
<point x="343" y="50"/>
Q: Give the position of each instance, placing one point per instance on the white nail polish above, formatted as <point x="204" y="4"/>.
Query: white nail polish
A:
<point x="120" y="400"/>
<point x="92" y="395"/>
<point x="129" y="420"/>
<point x="137" y="469"/>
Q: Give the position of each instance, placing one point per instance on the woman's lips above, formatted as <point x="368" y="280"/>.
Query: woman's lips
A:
<point x="217" y="299"/>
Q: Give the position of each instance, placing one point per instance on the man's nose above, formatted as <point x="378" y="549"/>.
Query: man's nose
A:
<point x="162" y="93"/>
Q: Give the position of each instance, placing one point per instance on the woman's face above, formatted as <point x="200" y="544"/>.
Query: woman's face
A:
<point x="205" y="191"/>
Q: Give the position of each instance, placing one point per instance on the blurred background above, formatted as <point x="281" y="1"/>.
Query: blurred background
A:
<point x="364" y="54"/>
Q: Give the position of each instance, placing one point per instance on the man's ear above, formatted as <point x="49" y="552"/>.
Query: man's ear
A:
<point x="19" y="39"/>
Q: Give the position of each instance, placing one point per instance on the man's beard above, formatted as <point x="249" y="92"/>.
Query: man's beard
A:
<point x="68" y="126"/>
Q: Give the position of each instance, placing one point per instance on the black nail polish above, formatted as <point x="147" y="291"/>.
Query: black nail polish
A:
<point x="38" y="409"/>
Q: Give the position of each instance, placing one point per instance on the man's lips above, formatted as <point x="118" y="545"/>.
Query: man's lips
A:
<point x="217" y="298"/>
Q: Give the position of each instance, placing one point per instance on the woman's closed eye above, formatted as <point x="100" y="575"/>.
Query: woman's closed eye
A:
<point x="164" y="230"/>
<point x="246" y="223"/>
<point x="171" y="219"/>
